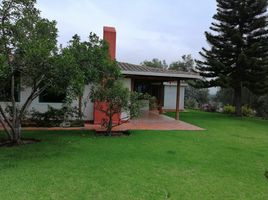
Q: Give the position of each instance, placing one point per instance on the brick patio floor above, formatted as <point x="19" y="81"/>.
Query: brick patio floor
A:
<point x="147" y="121"/>
<point x="153" y="121"/>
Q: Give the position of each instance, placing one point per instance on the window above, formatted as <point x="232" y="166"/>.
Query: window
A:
<point x="142" y="87"/>
<point x="50" y="96"/>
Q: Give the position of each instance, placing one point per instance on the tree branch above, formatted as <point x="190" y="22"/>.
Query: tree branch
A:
<point x="5" y="128"/>
<point x="6" y="119"/>
<point x="34" y="94"/>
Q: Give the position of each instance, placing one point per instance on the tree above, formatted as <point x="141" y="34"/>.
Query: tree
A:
<point x="238" y="51"/>
<point x="259" y="103"/>
<point x="24" y="36"/>
<point x="112" y="98"/>
<point x="155" y="62"/>
<point x="187" y="64"/>
<point x="200" y="96"/>
<point x="29" y="55"/>
<point x="92" y="59"/>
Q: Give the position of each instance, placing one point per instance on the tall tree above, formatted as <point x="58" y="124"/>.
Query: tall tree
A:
<point x="29" y="55"/>
<point x="155" y="62"/>
<point x="24" y="35"/>
<point x="92" y="58"/>
<point x="238" y="51"/>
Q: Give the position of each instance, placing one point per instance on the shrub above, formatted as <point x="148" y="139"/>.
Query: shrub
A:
<point x="191" y="103"/>
<point x="247" y="111"/>
<point x="153" y="105"/>
<point x="53" y="117"/>
<point x="209" y="107"/>
<point x="229" y="109"/>
<point x="136" y="104"/>
<point x="261" y="106"/>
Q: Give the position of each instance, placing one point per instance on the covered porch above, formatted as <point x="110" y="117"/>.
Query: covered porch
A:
<point x="151" y="80"/>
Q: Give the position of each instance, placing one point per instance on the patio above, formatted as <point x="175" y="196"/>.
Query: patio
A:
<point x="151" y="120"/>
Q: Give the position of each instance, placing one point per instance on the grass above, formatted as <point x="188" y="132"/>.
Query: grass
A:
<point x="227" y="161"/>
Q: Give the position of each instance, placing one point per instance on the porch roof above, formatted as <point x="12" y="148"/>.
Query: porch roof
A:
<point x="138" y="70"/>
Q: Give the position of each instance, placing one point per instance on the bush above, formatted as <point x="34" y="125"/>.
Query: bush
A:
<point x="210" y="107"/>
<point x="191" y="103"/>
<point x="229" y="109"/>
<point x="247" y="111"/>
<point x="261" y="106"/>
<point x="135" y="104"/>
<point x="53" y="117"/>
<point x="153" y="105"/>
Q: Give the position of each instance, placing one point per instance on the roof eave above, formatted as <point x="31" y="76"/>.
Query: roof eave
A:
<point x="179" y="76"/>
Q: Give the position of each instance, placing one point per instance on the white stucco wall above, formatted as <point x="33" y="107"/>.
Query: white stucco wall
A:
<point x="170" y="92"/>
<point x="87" y="105"/>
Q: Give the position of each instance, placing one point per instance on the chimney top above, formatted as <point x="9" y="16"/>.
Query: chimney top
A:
<point x="109" y="29"/>
<point x="109" y="35"/>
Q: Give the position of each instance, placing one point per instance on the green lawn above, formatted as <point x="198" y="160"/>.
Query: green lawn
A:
<point x="227" y="161"/>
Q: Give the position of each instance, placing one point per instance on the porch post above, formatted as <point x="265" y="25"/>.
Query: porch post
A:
<point x="178" y="99"/>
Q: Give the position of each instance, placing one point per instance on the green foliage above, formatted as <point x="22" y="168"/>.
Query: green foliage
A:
<point x="256" y="102"/>
<point x="155" y="62"/>
<point x="195" y="97"/>
<point x="28" y="43"/>
<point x="247" y="111"/>
<point x="153" y="103"/>
<point x="136" y="103"/>
<point x="228" y="109"/>
<point x="28" y="49"/>
<point x="237" y="56"/>
<point x="112" y="92"/>
<point x="92" y="58"/>
<point x="53" y="117"/>
<point x="191" y="103"/>
<point x="261" y="106"/>
<point x="187" y="64"/>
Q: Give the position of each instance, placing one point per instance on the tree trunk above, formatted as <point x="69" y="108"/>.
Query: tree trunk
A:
<point x="80" y="108"/>
<point x="110" y="125"/>
<point x="238" y="100"/>
<point x="17" y="132"/>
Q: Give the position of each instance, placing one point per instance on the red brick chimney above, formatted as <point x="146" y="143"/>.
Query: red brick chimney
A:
<point x="109" y="35"/>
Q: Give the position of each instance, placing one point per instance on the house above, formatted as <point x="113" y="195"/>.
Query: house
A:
<point x="166" y="85"/>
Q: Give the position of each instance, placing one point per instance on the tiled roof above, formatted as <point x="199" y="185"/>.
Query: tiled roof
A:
<point x="131" y="69"/>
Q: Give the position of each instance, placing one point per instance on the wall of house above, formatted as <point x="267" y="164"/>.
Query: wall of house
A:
<point x="87" y="105"/>
<point x="170" y="91"/>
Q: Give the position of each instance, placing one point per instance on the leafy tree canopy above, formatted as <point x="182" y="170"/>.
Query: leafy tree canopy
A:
<point x="155" y="62"/>
<point x="186" y="64"/>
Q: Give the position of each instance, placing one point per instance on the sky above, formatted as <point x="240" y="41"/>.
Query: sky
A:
<point x="146" y="29"/>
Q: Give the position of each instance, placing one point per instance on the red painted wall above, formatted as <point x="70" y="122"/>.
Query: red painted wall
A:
<point x="99" y="116"/>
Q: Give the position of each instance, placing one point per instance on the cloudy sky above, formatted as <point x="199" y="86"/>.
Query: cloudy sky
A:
<point x="146" y="29"/>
